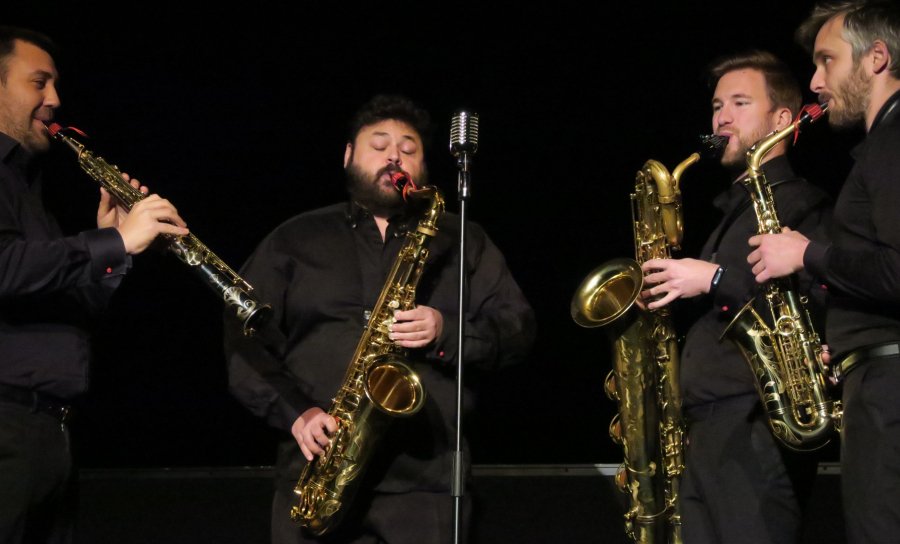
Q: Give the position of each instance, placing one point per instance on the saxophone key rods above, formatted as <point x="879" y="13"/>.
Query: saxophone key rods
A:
<point x="786" y="355"/>
<point x="233" y="289"/>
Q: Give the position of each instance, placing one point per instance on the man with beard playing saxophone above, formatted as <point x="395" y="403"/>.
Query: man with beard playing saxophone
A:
<point x="52" y="288"/>
<point x="856" y="51"/>
<point x="323" y="271"/>
<point x="739" y="485"/>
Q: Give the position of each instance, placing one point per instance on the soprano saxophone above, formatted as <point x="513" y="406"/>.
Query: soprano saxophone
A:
<point x="234" y="291"/>
<point x="644" y="380"/>
<point x="378" y="386"/>
<point x="786" y="356"/>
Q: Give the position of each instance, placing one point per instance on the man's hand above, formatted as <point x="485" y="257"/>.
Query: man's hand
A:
<point x="676" y="278"/>
<point x="111" y="213"/>
<point x="777" y="255"/>
<point x="418" y="327"/>
<point x="148" y="219"/>
<point x="312" y="431"/>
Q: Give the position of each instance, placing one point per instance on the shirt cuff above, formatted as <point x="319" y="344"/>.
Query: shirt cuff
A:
<point x="108" y="256"/>
<point x="815" y="258"/>
<point x="444" y="349"/>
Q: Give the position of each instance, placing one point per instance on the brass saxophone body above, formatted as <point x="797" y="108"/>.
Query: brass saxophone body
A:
<point x="378" y="386"/>
<point x="783" y="350"/>
<point x="233" y="289"/>
<point x="644" y="380"/>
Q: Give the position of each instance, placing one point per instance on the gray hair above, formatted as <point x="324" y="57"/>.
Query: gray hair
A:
<point x="864" y="22"/>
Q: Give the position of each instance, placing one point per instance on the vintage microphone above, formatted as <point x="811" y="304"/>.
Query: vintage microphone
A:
<point x="463" y="145"/>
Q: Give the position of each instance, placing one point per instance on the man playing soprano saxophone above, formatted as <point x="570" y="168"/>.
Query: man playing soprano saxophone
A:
<point x="856" y="51"/>
<point x="322" y="271"/>
<point x="739" y="485"/>
<point x="50" y="288"/>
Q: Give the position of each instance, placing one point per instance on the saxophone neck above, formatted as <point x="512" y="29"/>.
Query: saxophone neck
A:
<point x="759" y="151"/>
<point x="55" y="131"/>
<point x="808" y="114"/>
<point x="684" y="165"/>
<point x="432" y="201"/>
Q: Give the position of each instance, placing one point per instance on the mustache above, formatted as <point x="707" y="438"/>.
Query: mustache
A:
<point x="389" y="169"/>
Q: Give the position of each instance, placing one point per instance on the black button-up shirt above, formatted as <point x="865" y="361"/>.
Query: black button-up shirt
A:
<point x="714" y="370"/>
<point x="862" y="267"/>
<point x="322" y="272"/>
<point x="50" y="285"/>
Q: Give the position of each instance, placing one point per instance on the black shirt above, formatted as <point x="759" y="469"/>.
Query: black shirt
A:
<point x="322" y="271"/>
<point x="713" y="370"/>
<point x="862" y="266"/>
<point x="50" y="285"/>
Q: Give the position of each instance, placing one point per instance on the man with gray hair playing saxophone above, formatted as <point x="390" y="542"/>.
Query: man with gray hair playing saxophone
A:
<point x="739" y="485"/>
<point x="856" y="50"/>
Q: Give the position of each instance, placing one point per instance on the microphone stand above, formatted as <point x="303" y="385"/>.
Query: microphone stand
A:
<point x="458" y="470"/>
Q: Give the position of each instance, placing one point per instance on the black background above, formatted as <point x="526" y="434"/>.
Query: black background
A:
<point x="238" y="117"/>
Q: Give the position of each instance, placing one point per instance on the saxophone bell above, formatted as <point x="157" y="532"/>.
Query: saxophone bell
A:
<point x="607" y="293"/>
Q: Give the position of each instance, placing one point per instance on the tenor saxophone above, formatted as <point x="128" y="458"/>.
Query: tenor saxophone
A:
<point x="233" y="289"/>
<point x="786" y="356"/>
<point x="378" y="386"/>
<point x="644" y="380"/>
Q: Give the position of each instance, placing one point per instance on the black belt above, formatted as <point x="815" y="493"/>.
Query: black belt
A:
<point x="36" y="402"/>
<point x="852" y="359"/>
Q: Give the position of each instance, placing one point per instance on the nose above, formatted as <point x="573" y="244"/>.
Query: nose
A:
<point x="51" y="97"/>
<point x="394" y="155"/>
<point x="722" y="117"/>
<point x="817" y="83"/>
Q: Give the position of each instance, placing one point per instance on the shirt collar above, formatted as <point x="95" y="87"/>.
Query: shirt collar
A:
<point x="776" y="169"/>
<point x="356" y="214"/>
<point x="888" y="111"/>
<point x="16" y="157"/>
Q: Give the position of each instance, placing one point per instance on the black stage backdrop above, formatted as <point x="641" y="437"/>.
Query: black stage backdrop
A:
<point x="238" y="117"/>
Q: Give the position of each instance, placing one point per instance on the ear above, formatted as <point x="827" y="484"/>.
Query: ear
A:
<point x="783" y="118"/>
<point x="348" y="151"/>
<point x="881" y="57"/>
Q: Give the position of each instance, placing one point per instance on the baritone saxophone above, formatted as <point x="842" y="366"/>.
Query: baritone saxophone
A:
<point x="234" y="291"/>
<point x="379" y="384"/>
<point x="644" y="380"/>
<point x="783" y="351"/>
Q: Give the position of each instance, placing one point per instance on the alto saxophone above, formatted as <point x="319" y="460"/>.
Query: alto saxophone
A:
<point x="644" y="380"/>
<point x="786" y="357"/>
<point x="378" y="385"/>
<point x="233" y="289"/>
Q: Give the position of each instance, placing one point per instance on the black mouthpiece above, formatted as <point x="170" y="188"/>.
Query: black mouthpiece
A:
<point x="712" y="145"/>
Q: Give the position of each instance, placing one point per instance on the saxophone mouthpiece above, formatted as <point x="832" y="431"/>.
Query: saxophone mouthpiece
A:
<point x="814" y="111"/>
<point x="403" y="183"/>
<point x="808" y="114"/>
<point x="54" y="128"/>
<point x="711" y="145"/>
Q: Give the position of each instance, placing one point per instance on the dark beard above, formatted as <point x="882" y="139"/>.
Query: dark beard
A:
<point x="367" y="192"/>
